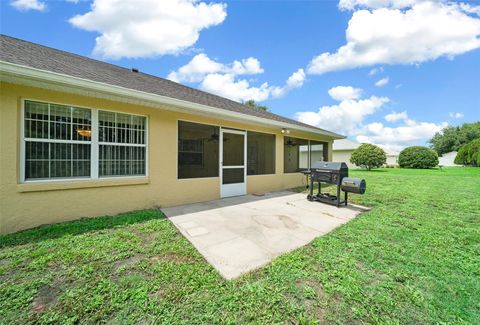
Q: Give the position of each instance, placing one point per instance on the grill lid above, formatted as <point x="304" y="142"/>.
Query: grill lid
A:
<point x="328" y="165"/>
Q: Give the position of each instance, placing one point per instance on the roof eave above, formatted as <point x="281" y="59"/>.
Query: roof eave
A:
<point x="38" y="74"/>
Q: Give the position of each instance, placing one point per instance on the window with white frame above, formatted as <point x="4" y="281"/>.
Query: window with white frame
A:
<point x="59" y="142"/>
<point x="122" y="144"/>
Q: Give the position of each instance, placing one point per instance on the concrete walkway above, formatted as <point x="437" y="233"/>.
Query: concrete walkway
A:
<point x="239" y="234"/>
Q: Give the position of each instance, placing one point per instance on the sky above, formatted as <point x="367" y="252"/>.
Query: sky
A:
<point x="389" y="72"/>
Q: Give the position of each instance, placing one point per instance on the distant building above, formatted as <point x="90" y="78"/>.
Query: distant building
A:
<point x="342" y="151"/>
<point x="392" y="158"/>
<point x="447" y="159"/>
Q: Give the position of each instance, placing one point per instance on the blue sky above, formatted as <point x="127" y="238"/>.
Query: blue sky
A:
<point x="427" y="53"/>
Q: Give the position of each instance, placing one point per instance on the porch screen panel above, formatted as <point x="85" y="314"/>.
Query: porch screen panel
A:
<point x="295" y="154"/>
<point x="318" y="151"/>
<point x="122" y="144"/>
<point x="57" y="141"/>
<point x="198" y="149"/>
<point x="260" y="153"/>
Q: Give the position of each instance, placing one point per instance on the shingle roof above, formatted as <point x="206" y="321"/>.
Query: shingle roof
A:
<point x="20" y="52"/>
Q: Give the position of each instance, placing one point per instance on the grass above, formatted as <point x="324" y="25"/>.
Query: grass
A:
<point x="414" y="258"/>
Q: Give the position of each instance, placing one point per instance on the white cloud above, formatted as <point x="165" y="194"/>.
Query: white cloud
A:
<point x="382" y="82"/>
<point x="349" y="115"/>
<point x="239" y="90"/>
<point x="394" y="116"/>
<point x="25" y="5"/>
<point x="201" y="65"/>
<point x="145" y="28"/>
<point x="375" y="71"/>
<point x="397" y="138"/>
<point x="222" y="79"/>
<point x="227" y="85"/>
<point x="375" y="4"/>
<point x="470" y="9"/>
<point x="341" y="93"/>
<point x="349" y="5"/>
<point x="456" y="115"/>
<point x="417" y="32"/>
<point x="295" y="80"/>
<point x="247" y="66"/>
<point x="346" y="116"/>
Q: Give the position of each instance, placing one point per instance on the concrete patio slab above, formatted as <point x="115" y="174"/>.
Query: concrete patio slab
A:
<point x="239" y="234"/>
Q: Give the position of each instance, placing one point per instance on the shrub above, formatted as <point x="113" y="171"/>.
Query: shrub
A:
<point x="417" y="157"/>
<point x="469" y="154"/>
<point x="368" y="156"/>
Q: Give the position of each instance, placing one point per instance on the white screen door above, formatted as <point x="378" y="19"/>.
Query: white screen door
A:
<point x="233" y="152"/>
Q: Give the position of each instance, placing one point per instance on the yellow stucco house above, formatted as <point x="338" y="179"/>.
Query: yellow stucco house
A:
<point x="80" y="138"/>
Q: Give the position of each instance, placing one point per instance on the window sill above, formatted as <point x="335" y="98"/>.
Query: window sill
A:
<point x="78" y="184"/>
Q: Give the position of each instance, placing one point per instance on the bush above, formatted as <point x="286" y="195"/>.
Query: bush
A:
<point x="469" y="154"/>
<point x="368" y="156"/>
<point x="418" y="157"/>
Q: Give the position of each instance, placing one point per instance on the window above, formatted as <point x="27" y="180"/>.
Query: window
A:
<point x="260" y="153"/>
<point x="318" y="151"/>
<point x="300" y="154"/>
<point x="60" y="142"/>
<point x="295" y="154"/>
<point x="57" y="141"/>
<point x="198" y="149"/>
<point x="122" y="147"/>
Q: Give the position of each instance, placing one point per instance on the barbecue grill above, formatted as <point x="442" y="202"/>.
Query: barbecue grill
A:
<point x="333" y="173"/>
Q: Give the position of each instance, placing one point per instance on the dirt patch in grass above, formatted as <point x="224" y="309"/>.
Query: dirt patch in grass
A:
<point x="4" y="270"/>
<point x="158" y="294"/>
<point x="13" y="268"/>
<point x="4" y="262"/>
<point x="313" y="297"/>
<point x="128" y="261"/>
<point x="146" y="237"/>
<point x="46" y="297"/>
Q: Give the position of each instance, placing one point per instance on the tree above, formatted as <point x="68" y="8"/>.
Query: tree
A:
<point x="418" y="157"/>
<point x="252" y="104"/>
<point x="451" y="138"/>
<point x="469" y="154"/>
<point x="368" y="156"/>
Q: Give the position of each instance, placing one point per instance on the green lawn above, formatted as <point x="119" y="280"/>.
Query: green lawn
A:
<point x="414" y="258"/>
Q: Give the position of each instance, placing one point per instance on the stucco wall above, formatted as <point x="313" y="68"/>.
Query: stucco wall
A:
<point x="447" y="159"/>
<point x="392" y="160"/>
<point x="32" y="204"/>
<point x="343" y="156"/>
<point x="315" y="156"/>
